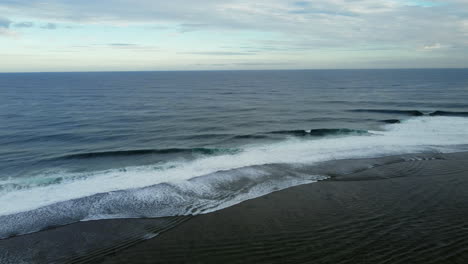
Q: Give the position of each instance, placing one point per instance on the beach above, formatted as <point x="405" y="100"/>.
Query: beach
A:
<point x="322" y="132"/>
<point x="398" y="209"/>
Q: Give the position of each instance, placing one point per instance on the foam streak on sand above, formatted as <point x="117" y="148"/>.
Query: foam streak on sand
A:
<point x="177" y="187"/>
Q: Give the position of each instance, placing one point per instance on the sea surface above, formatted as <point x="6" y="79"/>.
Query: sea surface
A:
<point x="87" y="146"/>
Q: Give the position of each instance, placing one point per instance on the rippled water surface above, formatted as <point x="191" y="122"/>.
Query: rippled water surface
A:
<point x="79" y="146"/>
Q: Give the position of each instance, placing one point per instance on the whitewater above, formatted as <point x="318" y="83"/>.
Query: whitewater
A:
<point x="210" y="182"/>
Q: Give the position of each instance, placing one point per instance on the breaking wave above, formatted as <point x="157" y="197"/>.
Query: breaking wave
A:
<point x="215" y="180"/>
<point x="389" y="111"/>
<point x="321" y="132"/>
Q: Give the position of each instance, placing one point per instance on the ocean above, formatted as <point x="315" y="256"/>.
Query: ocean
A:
<point x="87" y="146"/>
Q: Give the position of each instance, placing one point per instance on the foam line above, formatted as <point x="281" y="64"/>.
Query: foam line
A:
<point x="420" y="134"/>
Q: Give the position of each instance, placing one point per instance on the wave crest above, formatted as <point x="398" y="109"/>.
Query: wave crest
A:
<point x="210" y="182"/>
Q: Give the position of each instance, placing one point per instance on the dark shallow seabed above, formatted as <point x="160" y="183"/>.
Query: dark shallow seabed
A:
<point x="169" y="145"/>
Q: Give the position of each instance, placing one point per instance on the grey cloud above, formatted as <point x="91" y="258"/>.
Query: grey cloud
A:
<point x="50" y="26"/>
<point x="301" y="3"/>
<point x="192" y="27"/>
<point x="261" y="63"/>
<point x="244" y="64"/>
<point x="23" y="25"/>
<point x="350" y="24"/>
<point x="5" y="30"/>
<point x="4" y="23"/>
<point x="219" y="64"/>
<point x="323" y="12"/>
<point x="159" y="27"/>
<point x="122" y="44"/>
<point x="131" y="47"/>
<point x="220" y="53"/>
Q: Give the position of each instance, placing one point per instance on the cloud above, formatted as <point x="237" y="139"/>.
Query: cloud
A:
<point x="301" y="3"/>
<point x="244" y="64"/>
<point x="307" y="24"/>
<point x="261" y="64"/>
<point x="23" y="25"/>
<point x="4" y="23"/>
<point x="435" y="46"/>
<point x="219" y="53"/>
<point x="128" y="47"/>
<point x="342" y="18"/>
<point x="422" y="3"/>
<point x="5" y="30"/>
<point x="268" y="27"/>
<point x="193" y="27"/>
<point x="122" y="44"/>
<point x="50" y="26"/>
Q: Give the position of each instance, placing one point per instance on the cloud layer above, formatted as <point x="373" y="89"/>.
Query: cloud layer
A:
<point x="275" y="26"/>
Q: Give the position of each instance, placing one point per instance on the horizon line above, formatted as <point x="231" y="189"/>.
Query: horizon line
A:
<point x="232" y="70"/>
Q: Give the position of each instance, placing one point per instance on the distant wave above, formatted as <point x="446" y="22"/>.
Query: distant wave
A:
<point x="250" y="137"/>
<point x="390" y="111"/>
<point x="204" y="151"/>
<point x="391" y="121"/>
<point x="211" y="151"/>
<point x="411" y="112"/>
<point x="321" y="132"/>
<point x="448" y="113"/>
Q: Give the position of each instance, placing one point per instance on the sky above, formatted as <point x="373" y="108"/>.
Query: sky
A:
<point x="140" y="35"/>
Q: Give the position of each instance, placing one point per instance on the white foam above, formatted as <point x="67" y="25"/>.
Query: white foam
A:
<point x="415" y="135"/>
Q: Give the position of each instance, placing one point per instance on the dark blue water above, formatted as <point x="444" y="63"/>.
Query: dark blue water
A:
<point x="89" y="131"/>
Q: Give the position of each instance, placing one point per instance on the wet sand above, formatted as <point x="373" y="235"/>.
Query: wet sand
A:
<point x="407" y="209"/>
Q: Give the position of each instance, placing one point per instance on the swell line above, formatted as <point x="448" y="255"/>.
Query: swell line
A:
<point x="204" y="151"/>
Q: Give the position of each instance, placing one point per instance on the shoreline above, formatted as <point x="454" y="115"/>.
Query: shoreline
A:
<point x="407" y="208"/>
